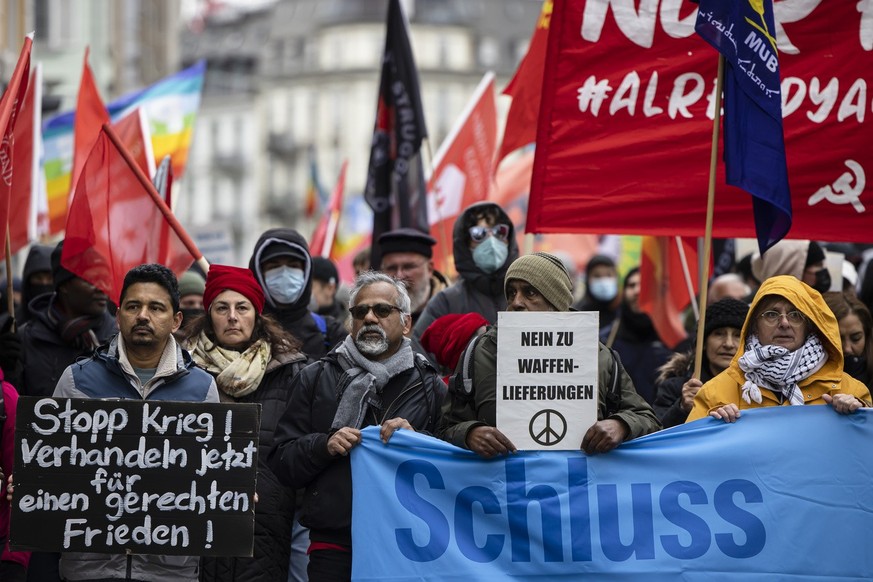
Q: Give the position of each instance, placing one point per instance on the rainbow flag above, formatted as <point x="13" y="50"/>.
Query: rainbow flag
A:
<point x="170" y="105"/>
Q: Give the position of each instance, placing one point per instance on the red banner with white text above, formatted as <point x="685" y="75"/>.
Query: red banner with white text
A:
<point x="625" y="125"/>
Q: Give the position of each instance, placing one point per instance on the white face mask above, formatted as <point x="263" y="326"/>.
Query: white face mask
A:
<point x="603" y="288"/>
<point x="285" y="284"/>
<point x="490" y="254"/>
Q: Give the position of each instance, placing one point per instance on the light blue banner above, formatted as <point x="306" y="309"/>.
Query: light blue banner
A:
<point x="782" y="494"/>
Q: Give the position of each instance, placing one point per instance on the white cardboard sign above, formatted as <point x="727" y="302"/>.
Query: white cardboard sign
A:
<point x="546" y="378"/>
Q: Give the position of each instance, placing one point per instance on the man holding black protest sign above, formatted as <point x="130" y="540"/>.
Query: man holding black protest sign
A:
<point x="142" y="362"/>
<point x="540" y="282"/>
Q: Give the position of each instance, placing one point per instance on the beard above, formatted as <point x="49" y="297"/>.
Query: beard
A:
<point x="418" y="297"/>
<point x="371" y="346"/>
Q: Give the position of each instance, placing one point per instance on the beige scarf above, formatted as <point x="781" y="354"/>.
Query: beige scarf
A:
<point x="236" y="373"/>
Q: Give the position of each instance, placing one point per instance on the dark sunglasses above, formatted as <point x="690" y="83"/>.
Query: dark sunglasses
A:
<point x="498" y="231"/>
<point x="380" y="310"/>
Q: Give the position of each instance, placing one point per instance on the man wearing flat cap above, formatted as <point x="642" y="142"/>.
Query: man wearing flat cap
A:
<point x="540" y="282"/>
<point x="407" y="255"/>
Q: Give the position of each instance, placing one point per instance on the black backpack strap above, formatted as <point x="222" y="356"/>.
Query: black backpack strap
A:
<point x="461" y="383"/>
<point x="613" y="394"/>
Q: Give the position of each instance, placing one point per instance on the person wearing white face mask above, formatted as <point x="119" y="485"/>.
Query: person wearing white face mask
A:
<point x="601" y="289"/>
<point x="282" y="266"/>
<point x="483" y="245"/>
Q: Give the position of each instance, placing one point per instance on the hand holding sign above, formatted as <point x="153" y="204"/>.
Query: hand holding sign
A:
<point x="487" y="441"/>
<point x="604" y="435"/>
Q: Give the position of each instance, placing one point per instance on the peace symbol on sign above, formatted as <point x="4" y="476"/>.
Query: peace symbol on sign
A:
<point x="548" y="427"/>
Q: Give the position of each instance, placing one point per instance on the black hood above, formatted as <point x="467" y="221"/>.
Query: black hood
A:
<point x="296" y="246"/>
<point x="39" y="258"/>
<point x="489" y="284"/>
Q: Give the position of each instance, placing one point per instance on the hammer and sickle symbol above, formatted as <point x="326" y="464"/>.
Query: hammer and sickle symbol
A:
<point x="846" y="189"/>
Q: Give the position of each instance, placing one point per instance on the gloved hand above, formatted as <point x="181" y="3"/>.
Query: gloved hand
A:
<point x="10" y="348"/>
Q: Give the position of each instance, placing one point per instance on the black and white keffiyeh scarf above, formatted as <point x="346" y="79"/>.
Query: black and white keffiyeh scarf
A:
<point x="778" y="369"/>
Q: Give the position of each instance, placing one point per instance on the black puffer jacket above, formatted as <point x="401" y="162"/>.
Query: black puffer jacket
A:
<point x="44" y="354"/>
<point x="296" y="318"/>
<point x="474" y="291"/>
<point x="274" y="511"/>
<point x="299" y="456"/>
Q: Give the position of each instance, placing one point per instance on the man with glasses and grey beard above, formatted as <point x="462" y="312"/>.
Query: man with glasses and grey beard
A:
<point x="407" y="255"/>
<point x="372" y="378"/>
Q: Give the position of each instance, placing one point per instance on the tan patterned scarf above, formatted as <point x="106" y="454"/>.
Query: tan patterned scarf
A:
<point x="236" y="373"/>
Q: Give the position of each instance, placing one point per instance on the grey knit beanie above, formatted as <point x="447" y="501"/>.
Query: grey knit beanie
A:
<point x="545" y="273"/>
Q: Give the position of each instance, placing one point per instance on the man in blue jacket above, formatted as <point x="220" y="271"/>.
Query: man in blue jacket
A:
<point x="142" y="362"/>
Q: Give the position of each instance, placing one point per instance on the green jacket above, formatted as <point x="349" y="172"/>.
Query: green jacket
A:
<point x="461" y="412"/>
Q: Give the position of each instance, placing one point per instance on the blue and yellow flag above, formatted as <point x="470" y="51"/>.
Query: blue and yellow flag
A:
<point x="743" y="31"/>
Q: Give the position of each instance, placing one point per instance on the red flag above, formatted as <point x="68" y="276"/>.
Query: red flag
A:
<point x="114" y="223"/>
<point x="10" y="105"/>
<point x="664" y="291"/>
<point x="26" y="154"/>
<point x="525" y="89"/>
<point x="625" y="147"/>
<point x="325" y="233"/>
<point x="91" y="114"/>
<point x="133" y="130"/>
<point x="462" y="168"/>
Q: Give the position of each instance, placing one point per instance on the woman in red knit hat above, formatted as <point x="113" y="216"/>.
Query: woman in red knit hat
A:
<point x="253" y="360"/>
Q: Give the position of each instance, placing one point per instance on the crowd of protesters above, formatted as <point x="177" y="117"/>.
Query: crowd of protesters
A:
<point x="280" y="333"/>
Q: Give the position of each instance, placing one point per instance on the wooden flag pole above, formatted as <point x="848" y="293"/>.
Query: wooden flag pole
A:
<point x="10" y="300"/>
<point x="686" y="272"/>
<point x="159" y="202"/>
<point x="710" y="204"/>
<point x="441" y="231"/>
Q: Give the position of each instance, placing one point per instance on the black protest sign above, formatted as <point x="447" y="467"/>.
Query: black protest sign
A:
<point x="149" y="477"/>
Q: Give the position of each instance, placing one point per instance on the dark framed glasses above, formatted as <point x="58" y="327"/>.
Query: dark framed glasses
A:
<point x="380" y="310"/>
<point x="498" y="231"/>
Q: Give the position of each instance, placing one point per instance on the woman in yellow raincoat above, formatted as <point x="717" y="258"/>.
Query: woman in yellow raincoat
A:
<point x="790" y="354"/>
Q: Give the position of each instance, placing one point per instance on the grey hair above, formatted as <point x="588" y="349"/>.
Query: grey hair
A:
<point x="368" y="278"/>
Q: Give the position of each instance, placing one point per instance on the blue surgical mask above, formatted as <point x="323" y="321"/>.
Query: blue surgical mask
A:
<point x="490" y="254"/>
<point x="285" y="284"/>
<point x="603" y="288"/>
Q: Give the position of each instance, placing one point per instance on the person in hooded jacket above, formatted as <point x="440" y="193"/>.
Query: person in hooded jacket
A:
<point x="36" y="279"/>
<point x="790" y="354"/>
<point x="69" y="323"/>
<point x="803" y="259"/>
<point x="601" y="289"/>
<point x="483" y="245"/>
<point x="252" y="360"/>
<point x="282" y="266"/>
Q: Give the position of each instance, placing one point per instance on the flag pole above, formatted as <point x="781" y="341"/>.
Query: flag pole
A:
<point x="10" y="300"/>
<point x="159" y="202"/>
<point x="441" y="231"/>
<point x="686" y="273"/>
<point x="710" y="203"/>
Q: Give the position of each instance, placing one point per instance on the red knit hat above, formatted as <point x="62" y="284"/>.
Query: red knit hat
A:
<point x="223" y="277"/>
<point x="448" y="335"/>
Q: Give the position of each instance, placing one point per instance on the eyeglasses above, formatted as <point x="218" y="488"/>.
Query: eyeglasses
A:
<point x="402" y="268"/>
<point x="380" y="310"/>
<point x="795" y="318"/>
<point x="498" y="231"/>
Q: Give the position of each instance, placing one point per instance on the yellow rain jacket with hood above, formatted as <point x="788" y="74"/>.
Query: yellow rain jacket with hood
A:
<point x="726" y="388"/>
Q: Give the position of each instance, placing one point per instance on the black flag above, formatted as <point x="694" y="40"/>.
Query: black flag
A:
<point x="395" y="187"/>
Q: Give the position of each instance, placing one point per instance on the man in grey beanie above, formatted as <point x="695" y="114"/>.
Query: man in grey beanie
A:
<point x="539" y="282"/>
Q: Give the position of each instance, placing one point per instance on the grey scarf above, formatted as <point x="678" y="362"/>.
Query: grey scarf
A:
<point x="367" y="379"/>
